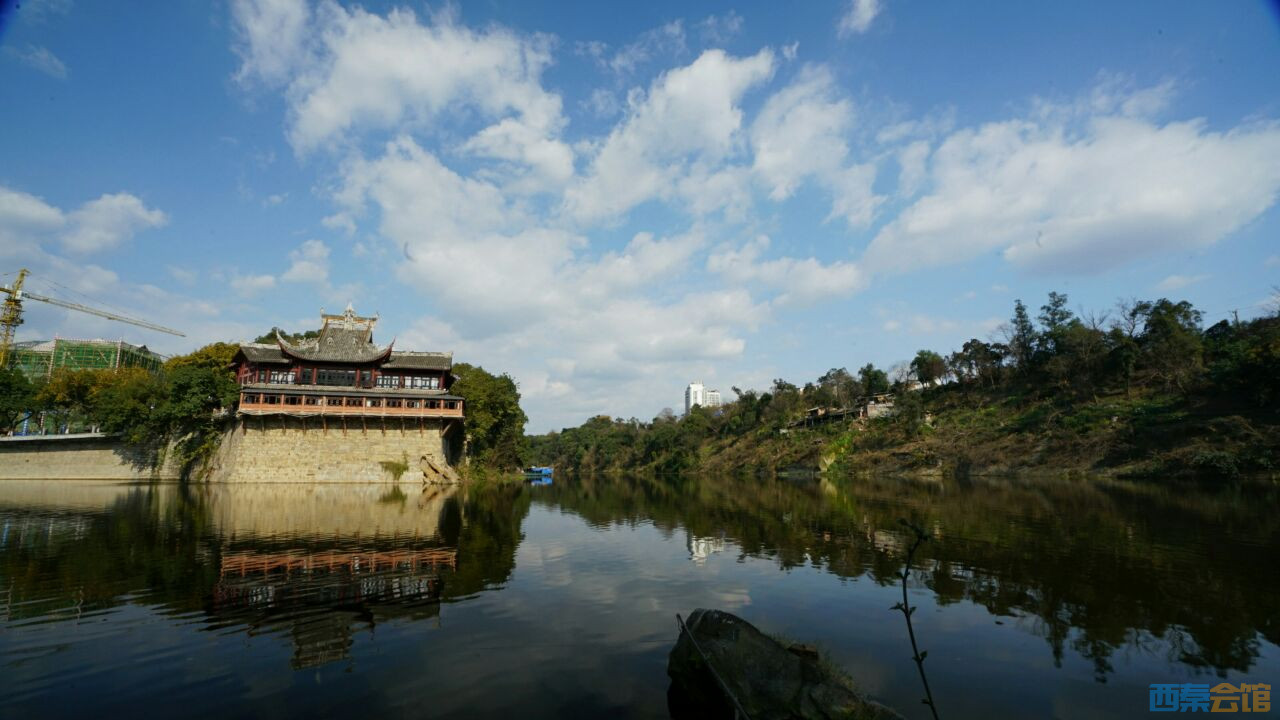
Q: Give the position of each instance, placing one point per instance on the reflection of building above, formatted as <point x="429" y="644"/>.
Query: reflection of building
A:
<point x="698" y="394"/>
<point x="319" y="594"/>
<point x="701" y="548"/>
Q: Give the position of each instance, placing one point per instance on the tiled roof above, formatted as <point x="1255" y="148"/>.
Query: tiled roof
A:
<point x="404" y="360"/>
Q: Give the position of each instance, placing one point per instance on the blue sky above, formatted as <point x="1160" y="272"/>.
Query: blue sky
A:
<point x="608" y="201"/>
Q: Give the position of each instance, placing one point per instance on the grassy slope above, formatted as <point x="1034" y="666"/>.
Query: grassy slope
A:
<point x="1145" y="434"/>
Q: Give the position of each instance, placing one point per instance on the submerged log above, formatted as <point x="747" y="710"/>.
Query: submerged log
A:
<point x="769" y="680"/>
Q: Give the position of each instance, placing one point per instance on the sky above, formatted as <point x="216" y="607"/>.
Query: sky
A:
<point x="608" y="201"/>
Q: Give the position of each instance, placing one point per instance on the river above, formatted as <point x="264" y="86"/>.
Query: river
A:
<point x="1036" y="598"/>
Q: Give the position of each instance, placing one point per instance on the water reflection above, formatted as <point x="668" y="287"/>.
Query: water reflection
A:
<point x="1095" y="565"/>
<point x="1110" y="582"/>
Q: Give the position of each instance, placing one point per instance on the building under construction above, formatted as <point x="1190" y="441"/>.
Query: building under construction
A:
<point x="38" y="359"/>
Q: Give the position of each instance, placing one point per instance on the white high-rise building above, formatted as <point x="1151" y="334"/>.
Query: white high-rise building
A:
<point x="698" y="394"/>
<point x="695" y="394"/>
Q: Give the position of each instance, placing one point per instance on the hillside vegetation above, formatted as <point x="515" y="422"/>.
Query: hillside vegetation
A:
<point x="1145" y="389"/>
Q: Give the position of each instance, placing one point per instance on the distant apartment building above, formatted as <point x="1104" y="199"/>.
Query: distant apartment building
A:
<point x="698" y="394"/>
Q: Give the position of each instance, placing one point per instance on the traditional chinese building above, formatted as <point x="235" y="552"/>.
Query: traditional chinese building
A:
<point x="396" y="405"/>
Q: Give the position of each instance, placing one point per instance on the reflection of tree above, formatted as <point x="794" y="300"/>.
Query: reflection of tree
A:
<point x="1097" y="566"/>
<point x="486" y="524"/>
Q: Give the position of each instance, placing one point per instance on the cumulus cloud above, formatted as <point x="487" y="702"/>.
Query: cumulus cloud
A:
<point x="109" y="221"/>
<point x="308" y="263"/>
<point x="271" y="39"/>
<point x="1050" y="194"/>
<point x="800" y="282"/>
<point x="349" y="70"/>
<point x="666" y="41"/>
<point x="28" y="222"/>
<point x="250" y="285"/>
<point x="1177" y="282"/>
<point x="40" y="58"/>
<point x="800" y="133"/>
<point x="857" y="17"/>
<point x="690" y="115"/>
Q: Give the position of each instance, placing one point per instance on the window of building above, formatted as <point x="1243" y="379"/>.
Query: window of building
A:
<point x="282" y="377"/>
<point x="342" y="378"/>
<point x="374" y="402"/>
<point x="413" y="403"/>
<point x="251" y="398"/>
<point x="271" y="399"/>
<point x="422" y="383"/>
<point x="354" y="402"/>
<point x="433" y="404"/>
<point x="393" y="402"/>
<point x="450" y="405"/>
<point x="333" y="401"/>
<point x="388" y="381"/>
<point x="312" y="400"/>
<point x="292" y="400"/>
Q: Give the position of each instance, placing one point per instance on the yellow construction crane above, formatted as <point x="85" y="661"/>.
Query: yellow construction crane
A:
<point x="11" y="314"/>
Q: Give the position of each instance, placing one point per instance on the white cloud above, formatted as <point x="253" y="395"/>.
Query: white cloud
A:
<point x="800" y="133"/>
<point x="912" y="160"/>
<point x="28" y="223"/>
<point x="272" y="36"/>
<point x="1051" y="194"/>
<point x="1177" y="282"/>
<point x="720" y="29"/>
<point x="309" y="263"/>
<point x="690" y="115"/>
<point x="800" y="282"/>
<point x="351" y="71"/>
<point x="250" y="285"/>
<point x="182" y="275"/>
<point x="109" y="221"/>
<point x="22" y="212"/>
<point x="1273" y="261"/>
<point x="40" y="58"/>
<point x="602" y="103"/>
<point x="666" y="42"/>
<point x="858" y="16"/>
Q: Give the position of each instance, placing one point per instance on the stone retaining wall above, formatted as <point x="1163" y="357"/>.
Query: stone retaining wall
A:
<point x="71" y="457"/>
<point x="288" y="449"/>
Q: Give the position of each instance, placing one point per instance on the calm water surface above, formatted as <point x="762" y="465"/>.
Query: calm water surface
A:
<point x="1036" y="598"/>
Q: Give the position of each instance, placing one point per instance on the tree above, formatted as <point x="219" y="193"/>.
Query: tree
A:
<point x="17" y="398"/>
<point x="1022" y="337"/>
<point x="269" y="337"/>
<point x="839" y="385"/>
<point x="872" y="380"/>
<point x="65" y="397"/>
<point x="1171" y="344"/>
<point x="929" y="367"/>
<point x="214" y="356"/>
<point x="494" y="421"/>
<point x="1056" y="320"/>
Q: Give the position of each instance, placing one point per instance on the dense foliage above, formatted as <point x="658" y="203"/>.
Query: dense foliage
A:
<point x="494" y="420"/>
<point x="182" y="407"/>
<point x="1106" y="389"/>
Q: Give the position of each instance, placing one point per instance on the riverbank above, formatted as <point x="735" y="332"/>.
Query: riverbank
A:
<point x="1144" y="435"/>
<point x="951" y="429"/>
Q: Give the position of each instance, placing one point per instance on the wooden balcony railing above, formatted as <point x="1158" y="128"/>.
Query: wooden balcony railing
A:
<point x="267" y="403"/>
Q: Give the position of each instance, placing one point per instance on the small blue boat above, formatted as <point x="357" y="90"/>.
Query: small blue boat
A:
<point x="538" y="475"/>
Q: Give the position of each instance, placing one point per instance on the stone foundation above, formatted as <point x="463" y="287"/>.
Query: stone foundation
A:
<point x="72" y="457"/>
<point x="310" y="450"/>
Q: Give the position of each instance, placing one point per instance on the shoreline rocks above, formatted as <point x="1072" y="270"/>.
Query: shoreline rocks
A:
<point x="769" y="679"/>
